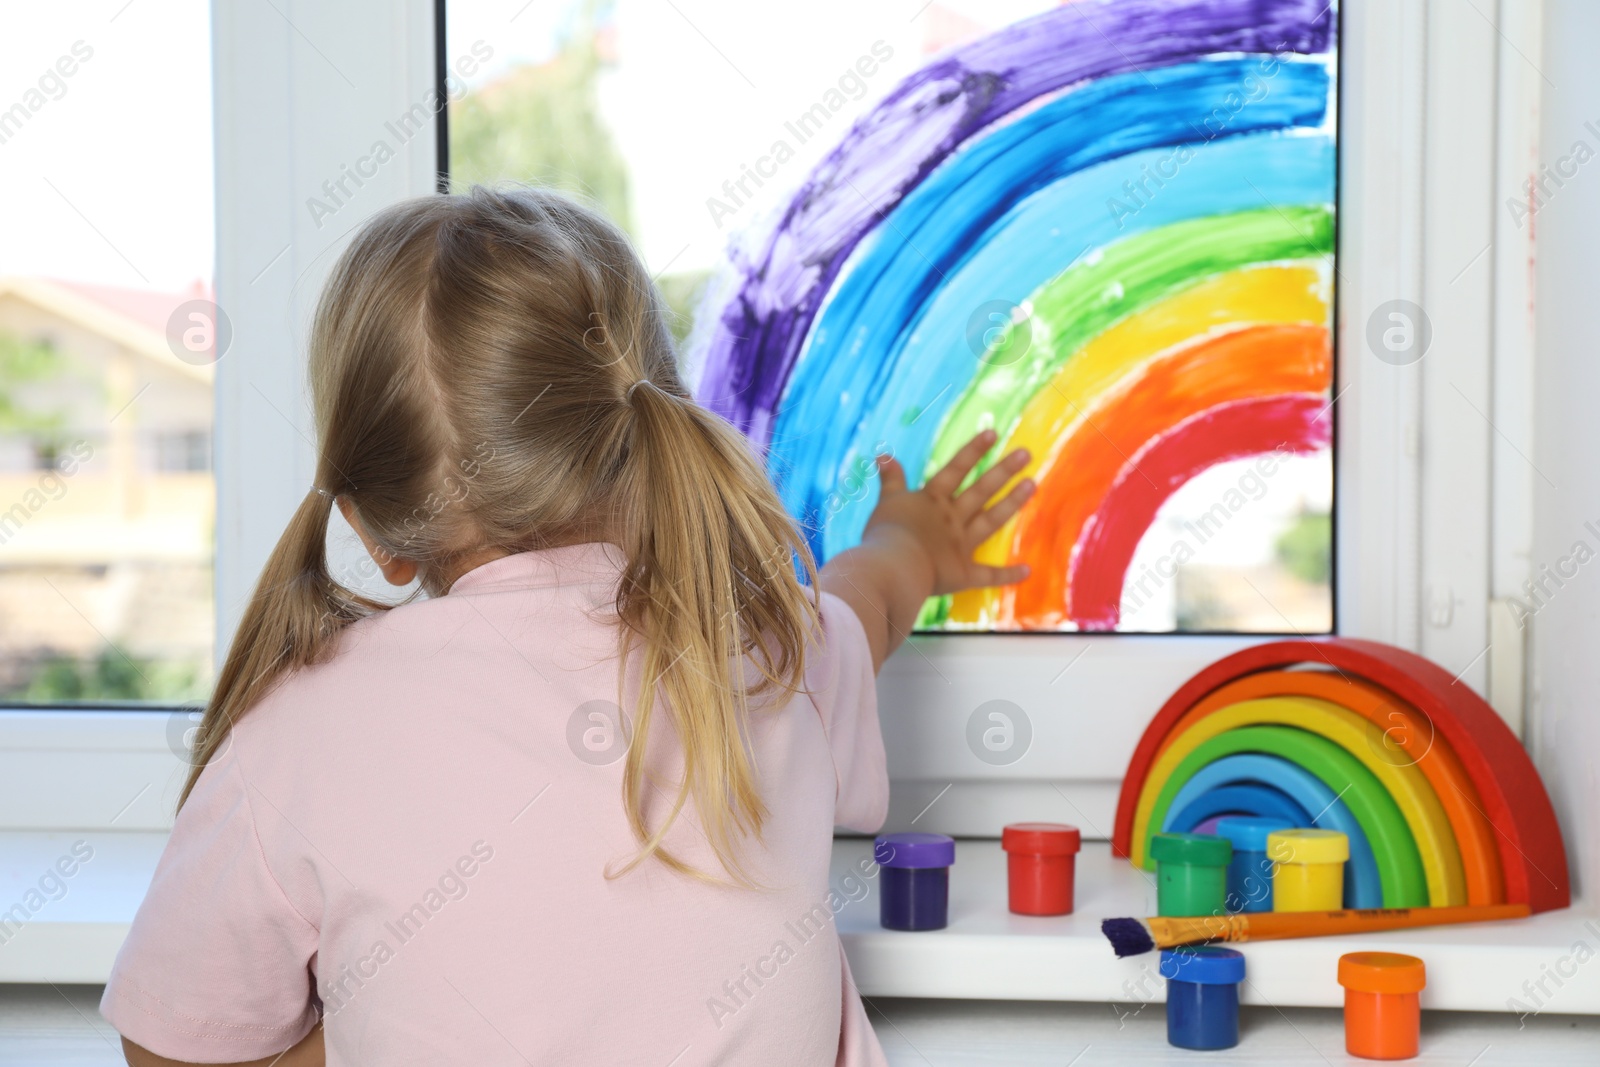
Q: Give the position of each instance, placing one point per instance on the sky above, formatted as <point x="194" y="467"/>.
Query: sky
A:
<point x="110" y="180"/>
<point x="703" y="88"/>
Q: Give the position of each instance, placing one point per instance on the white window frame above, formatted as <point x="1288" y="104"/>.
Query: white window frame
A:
<point x="1433" y="499"/>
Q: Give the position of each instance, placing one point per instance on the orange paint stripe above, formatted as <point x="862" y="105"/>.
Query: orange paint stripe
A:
<point x="1259" y="361"/>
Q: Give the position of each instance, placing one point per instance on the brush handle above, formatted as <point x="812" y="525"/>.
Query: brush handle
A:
<point x="1169" y="932"/>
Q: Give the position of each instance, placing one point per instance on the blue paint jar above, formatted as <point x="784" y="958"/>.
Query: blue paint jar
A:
<point x="1202" y="996"/>
<point x="914" y="882"/>
<point x="1249" y="872"/>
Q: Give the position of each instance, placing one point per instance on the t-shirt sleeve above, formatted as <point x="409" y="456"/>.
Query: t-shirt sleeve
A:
<point x="217" y="966"/>
<point x="840" y="677"/>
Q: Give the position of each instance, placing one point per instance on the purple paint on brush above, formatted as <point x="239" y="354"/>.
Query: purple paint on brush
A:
<point x="781" y="272"/>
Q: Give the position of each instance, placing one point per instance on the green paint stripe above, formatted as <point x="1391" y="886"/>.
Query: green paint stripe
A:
<point x="1095" y="294"/>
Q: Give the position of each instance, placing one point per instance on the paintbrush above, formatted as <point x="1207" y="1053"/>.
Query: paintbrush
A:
<point x="1131" y="937"/>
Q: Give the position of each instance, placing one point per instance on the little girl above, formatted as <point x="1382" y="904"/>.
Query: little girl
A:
<point x="432" y="834"/>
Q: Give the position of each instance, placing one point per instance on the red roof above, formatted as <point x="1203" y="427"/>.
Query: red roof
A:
<point x="146" y="307"/>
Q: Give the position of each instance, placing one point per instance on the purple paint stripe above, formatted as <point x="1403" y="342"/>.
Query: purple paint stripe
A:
<point x="780" y="273"/>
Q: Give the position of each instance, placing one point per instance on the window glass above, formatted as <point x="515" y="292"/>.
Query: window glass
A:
<point x="106" y="351"/>
<point x="884" y="227"/>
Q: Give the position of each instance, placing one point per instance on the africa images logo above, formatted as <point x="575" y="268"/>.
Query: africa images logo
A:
<point x="599" y="732"/>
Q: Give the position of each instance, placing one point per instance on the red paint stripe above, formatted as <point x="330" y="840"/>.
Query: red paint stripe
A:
<point x="1297" y="422"/>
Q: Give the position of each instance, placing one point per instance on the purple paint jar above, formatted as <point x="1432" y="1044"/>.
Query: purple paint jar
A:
<point x="915" y="880"/>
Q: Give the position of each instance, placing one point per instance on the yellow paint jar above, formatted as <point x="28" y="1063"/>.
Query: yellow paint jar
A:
<point x="1308" y="869"/>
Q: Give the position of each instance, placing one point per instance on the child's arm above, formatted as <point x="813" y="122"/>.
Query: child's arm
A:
<point x="308" y="1053"/>
<point x="920" y="544"/>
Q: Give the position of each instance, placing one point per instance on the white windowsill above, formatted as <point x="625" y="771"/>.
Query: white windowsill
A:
<point x="74" y="938"/>
<point x="985" y="954"/>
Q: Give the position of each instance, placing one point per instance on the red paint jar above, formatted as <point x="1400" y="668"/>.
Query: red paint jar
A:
<point x="1040" y="858"/>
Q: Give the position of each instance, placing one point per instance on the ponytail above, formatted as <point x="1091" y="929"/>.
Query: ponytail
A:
<point x="711" y="584"/>
<point x="295" y="612"/>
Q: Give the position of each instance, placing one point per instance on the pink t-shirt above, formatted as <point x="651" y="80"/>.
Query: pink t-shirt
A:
<point x="413" y="838"/>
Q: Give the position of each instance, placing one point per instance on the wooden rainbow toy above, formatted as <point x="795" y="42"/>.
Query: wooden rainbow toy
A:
<point x="1441" y="803"/>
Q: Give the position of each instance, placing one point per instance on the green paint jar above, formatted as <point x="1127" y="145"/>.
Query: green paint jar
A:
<point x="1191" y="873"/>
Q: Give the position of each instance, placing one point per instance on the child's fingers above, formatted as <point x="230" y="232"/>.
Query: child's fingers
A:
<point x="891" y="476"/>
<point x="970" y="501"/>
<point x="986" y="522"/>
<point x="952" y="474"/>
<point x="986" y="576"/>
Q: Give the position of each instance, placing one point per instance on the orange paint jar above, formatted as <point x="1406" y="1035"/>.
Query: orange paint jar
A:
<point x="1382" y="1015"/>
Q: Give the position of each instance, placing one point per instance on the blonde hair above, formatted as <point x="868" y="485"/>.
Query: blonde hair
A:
<point x="514" y="336"/>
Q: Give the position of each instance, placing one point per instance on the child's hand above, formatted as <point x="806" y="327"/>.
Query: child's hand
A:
<point x="946" y="525"/>
<point x="921" y="544"/>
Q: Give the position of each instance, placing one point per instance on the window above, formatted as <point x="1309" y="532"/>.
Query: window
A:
<point x="106" y="499"/>
<point x="299" y="107"/>
<point x="839" y="291"/>
<point x="182" y="450"/>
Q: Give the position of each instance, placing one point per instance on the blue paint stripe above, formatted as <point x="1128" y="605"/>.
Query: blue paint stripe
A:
<point x="779" y="274"/>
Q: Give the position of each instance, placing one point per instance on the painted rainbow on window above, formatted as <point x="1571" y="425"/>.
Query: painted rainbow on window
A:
<point x="1151" y="184"/>
<point x="1441" y="803"/>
